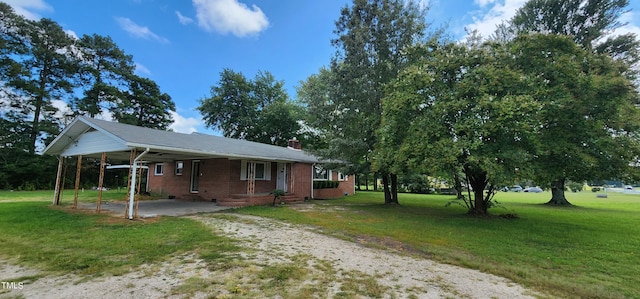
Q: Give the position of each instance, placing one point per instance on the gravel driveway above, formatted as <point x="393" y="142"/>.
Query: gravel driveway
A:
<point x="270" y="242"/>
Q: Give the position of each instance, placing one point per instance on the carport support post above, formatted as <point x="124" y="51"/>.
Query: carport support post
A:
<point x="56" y="194"/>
<point x="103" y="161"/>
<point x="132" y="189"/>
<point x="132" y="158"/>
<point x="77" y="186"/>
<point x="139" y="189"/>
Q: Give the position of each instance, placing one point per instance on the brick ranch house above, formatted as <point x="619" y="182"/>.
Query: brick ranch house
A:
<point x="203" y="167"/>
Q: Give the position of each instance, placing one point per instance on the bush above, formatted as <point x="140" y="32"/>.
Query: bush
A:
<point x="575" y="187"/>
<point x="325" y="184"/>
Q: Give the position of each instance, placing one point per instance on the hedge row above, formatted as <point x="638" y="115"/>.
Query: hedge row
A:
<point x="325" y="184"/>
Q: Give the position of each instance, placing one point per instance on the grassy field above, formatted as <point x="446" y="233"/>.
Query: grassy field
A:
<point x="591" y="250"/>
<point x="67" y="195"/>
<point x="63" y="240"/>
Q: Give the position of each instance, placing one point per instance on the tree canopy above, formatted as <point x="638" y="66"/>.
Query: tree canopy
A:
<point x="255" y="110"/>
<point x="42" y="70"/>
<point x="370" y="38"/>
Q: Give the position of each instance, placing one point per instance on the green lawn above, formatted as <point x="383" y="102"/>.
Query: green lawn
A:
<point x="67" y="195"/>
<point x="61" y="240"/>
<point x="591" y="250"/>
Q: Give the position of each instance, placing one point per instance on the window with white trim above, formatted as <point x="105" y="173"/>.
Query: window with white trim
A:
<point x="321" y="174"/>
<point x="179" y="167"/>
<point x="158" y="169"/>
<point x="263" y="170"/>
<point x="342" y="177"/>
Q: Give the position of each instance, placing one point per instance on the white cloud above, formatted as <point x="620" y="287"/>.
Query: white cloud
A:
<point x="62" y="108"/>
<point x="139" y="31"/>
<point x="486" y="20"/>
<point x="29" y="8"/>
<point x="72" y="33"/>
<point x="183" y="124"/>
<point x="183" y="20"/>
<point x="633" y="25"/>
<point x="230" y="16"/>
<point x="483" y="3"/>
<point x="141" y="69"/>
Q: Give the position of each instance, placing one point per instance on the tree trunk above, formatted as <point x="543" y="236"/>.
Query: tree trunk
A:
<point x="557" y="194"/>
<point x="385" y="187"/>
<point x="478" y="181"/>
<point x="394" y="188"/>
<point x="375" y="181"/>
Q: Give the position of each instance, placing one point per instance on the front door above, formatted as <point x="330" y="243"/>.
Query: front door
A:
<point x="281" y="182"/>
<point x="195" y="176"/>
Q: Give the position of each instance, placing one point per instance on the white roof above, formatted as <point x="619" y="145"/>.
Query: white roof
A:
<point x="90" y="137"/>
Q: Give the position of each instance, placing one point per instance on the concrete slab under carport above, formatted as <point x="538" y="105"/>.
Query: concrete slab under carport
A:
<point x="161" y="207"/>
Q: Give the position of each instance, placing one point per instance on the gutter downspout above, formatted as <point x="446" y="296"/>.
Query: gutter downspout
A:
<point x="132" y="190"/>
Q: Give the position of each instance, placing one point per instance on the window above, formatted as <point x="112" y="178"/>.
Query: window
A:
<point x="263" y="170"/>
<point x="179" y="167"/>
<point x="320" y="174"/>
<point x="342" y="177"/>
<point x="158" y="169"/>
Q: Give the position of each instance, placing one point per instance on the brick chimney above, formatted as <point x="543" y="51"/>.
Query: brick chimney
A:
<point x="294" y="144"/>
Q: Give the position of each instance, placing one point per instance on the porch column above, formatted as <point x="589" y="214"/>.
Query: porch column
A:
<point x="292" y="166"/>
<point x="77" y="185"/>
<point x="58" y="187"/>
<point x="103" y="162"/>
<point x="251" y="174"/>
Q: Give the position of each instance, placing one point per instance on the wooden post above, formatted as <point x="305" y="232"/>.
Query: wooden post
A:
<point x="103" y="161"/>
<point x="132" y="157"/>
<point x="251" y="173"/>
<point x="138" y="193"/>
<point x="56" y="193"/>
<point x="77" y="186"/>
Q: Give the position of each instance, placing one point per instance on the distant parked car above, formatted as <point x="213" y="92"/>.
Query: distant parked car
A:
<point x="533" y="189"/>
<point x="627" y="187"/>
<point x="516" y="188"/>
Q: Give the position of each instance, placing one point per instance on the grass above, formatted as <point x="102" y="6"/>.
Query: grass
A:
<point x="59" y="240"/>
<point x="67" y="195"/>
<point x="590" y="250"/>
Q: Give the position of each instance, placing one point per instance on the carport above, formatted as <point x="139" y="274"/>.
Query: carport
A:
<point x="99" y="139"/>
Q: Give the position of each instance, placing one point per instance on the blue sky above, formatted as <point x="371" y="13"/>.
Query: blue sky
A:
<point x="183" y="45"/>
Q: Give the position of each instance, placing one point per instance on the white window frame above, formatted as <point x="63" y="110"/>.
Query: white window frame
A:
<point x="342" y="177"/>
<point x="266" y="173"/>
<point x="160" y="167"/>
<point x="317" y="169"/>
<point x="179" y="167"/>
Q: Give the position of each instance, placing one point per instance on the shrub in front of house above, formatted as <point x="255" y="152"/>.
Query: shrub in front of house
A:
<point x="325" y="184"/>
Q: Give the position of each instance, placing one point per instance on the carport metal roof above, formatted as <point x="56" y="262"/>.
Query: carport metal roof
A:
<point x="91" y="137"/>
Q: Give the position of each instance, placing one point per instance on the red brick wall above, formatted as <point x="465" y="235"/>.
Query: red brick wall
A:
<point x="302" y="178"/>
<point x="220" y="178"/>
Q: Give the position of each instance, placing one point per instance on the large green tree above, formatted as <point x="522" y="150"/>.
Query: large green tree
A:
<point x="105" y="69"/>
<point x="458" y="109"/>
<point x="588" y="123"/>
<point x="371" y="36"/>
<point x="45" y="72"/>
<point x="588" y="22"/>
<point x="144" y="105"/>
<point x="256" y="110"/>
